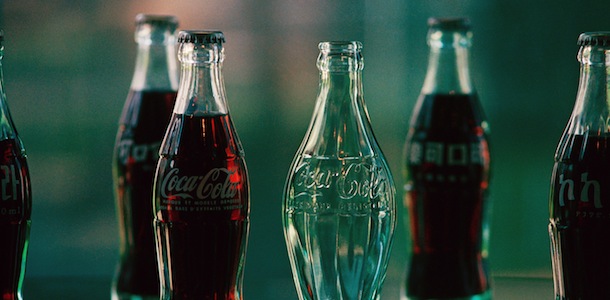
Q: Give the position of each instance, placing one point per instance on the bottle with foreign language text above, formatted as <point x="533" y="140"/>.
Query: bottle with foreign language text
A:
<point x="339" y="211"/>
<point x="579" y="204"/>
<point x="15" y="200"/>
<point x="145" y="116"/>
<point x="201" y="193"/>
<point x="447" y="166"/>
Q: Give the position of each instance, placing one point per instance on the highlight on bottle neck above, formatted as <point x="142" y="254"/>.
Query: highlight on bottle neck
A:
<point x="340" y="56"/>
<point x="449" y="33"/>
<point x="200" y="47"/>
<point x="594" y="48"/>
<point x="156" y="29"/>
<point x="1" y="44"/>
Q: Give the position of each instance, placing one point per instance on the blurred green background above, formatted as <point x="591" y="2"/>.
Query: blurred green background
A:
<point x="68" y="66"/>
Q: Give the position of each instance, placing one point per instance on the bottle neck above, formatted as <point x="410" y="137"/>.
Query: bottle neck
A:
<point x="340" y="93"/>
<point x="7" y="128"/>
<point x="591" y="112"/>
<point x="340" y="125"/>
<point x="201" y="91"/>
<point x="448" y="70"/>
<point x="156" y="64"/>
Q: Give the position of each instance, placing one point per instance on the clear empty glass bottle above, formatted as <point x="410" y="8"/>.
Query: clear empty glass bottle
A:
<point x="580" y="184"/>
<point x="143" y="121"/>
<point x="15" y="200"/>
<point x="339" y="211"/>
<point x="447" y="166"/>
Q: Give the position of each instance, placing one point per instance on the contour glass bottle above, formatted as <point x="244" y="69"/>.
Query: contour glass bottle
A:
<point x="145" y="116"/>
<point x="339" y="211"/>
<point x="15" y="200"/>
<point x="580" y="184"/>
<point x="447" y="167"/>
<point x="201" y="193"/>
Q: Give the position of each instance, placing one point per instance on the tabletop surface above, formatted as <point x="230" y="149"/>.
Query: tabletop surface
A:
<point x="92" y="288"/>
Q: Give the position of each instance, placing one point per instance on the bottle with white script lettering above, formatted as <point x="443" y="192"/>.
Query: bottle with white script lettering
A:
<point x="447" y="166"/>
<point x="201" y="190"/>
<point x="339" y="211"/>
<point x="142" y="125"/>
<point x="15" y="201"/>
<point x="579" y="203"/>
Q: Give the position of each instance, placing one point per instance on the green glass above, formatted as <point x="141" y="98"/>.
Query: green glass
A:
<point x="339" y="210"/>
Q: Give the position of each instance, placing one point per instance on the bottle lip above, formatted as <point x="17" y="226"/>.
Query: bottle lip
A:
<point x="340" y="56"/>
<point x="156" y="19"/>
<point x="340" y="46"/>
<point x="449" y="23"/>
<point x="201" y="37"/>
<point x="594" y="38"/>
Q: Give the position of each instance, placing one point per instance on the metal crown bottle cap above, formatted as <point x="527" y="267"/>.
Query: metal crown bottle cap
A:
<point x="156" y="19"/>
<point x="449" y="23"/>
<point x="201" y="37"/>
<point x="597" y="38"/>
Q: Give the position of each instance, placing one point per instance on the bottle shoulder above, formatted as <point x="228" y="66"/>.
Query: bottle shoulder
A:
<point x="205" y="137"/>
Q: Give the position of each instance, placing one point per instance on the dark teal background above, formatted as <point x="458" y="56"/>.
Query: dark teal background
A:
<point x="68" y="66"/>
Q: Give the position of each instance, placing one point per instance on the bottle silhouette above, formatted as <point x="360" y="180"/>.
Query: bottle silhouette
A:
<point x="143" y="121"/>
<point x="580" y="183"/>
<point x="447" y="167"/>
<point x="15" y="200"/>
<point x="339" y="210"/>
<point x="201" y="191"/>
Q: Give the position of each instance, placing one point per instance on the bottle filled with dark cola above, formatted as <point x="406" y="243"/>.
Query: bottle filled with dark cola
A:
<point x="580" y="184"/>
<point x="201" y="190"/>
<point x="142" y="125"/>
<point x="447" y="165"/>
<point x="15" y="200"/>
<point x="339" y="210"/>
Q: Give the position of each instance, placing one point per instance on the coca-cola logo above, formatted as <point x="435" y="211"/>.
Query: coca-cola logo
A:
<point x="216" y="184"/>
<point x="128" y="151"/>
<point x="355" y="179"/>
<point x="590" y="190"/>
<point x="447" y="154"/>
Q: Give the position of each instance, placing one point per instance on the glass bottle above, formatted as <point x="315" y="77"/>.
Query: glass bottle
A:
<point x="15" y="200"/>
<point x="579" y="205"/>
<point x="145" y="116"/>
<point x="201" y="191"/>
<point x="447" y="165"/>
<point x="339" y="211"/>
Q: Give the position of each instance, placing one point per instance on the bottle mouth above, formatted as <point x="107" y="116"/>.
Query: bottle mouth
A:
<point x="201" y="37"/>
<point x="595" y="38"/>
<point x="340" y="46"/>
<point x="155" y="30"/>
<point x="340" y="56"/>
<point x="594" y="48"/>
<point x="200" y="47"/>
<point x="449" y="33"/>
